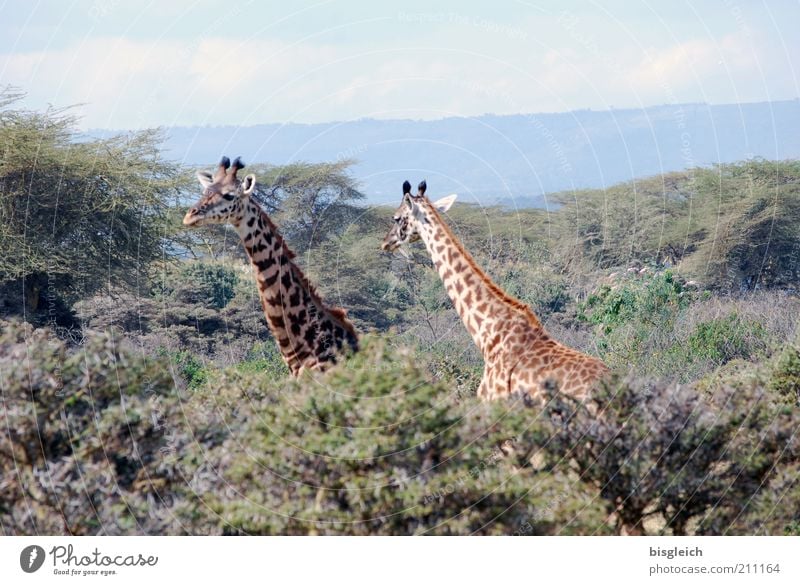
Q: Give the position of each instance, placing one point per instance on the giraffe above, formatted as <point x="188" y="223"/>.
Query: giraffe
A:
<point x="310" y="334"/>
<point x="519" y="355"/>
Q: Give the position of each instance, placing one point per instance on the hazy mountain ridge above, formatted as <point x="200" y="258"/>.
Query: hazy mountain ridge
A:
<point x="513" y="159"/>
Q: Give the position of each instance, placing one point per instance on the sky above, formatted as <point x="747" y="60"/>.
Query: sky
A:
<point x="132" y="65"/>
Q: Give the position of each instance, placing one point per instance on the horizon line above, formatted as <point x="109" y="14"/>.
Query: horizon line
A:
<point x="444" y="118"/>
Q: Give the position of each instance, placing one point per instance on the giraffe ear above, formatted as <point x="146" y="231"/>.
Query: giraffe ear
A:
<point x="205" y="179"/>
<point x="445" y="203"/>
<point x="249" y="184"/>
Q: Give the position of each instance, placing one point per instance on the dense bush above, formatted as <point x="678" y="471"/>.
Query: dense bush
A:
<point x="86" y="440"/>
<point x="103" y="441"/>
<point x="371" y="448"/>
<point x="663" y="458"/>
<point x="629" y="314"/>
<point x="727" y="338"/>
<point x="264" y="358"/>
<point x="653" y="322"/>
<point x="647" y="298"/>
<point x="785" y="375"/>
<point x="731" y="226"/>
<point x="217" y="283"/>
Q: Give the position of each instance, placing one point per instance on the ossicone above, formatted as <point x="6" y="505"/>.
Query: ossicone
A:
<point x="237" y="164"/>
<point x="224" y="163"/>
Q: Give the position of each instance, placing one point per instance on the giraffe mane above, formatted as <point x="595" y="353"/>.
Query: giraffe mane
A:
<point x="502" y="295"/>
<point x="337" y="313"/>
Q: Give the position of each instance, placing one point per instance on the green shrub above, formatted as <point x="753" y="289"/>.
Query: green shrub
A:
<point x="545" y="292"/>
<point x="98" y="436"/>
<point x="731" y="226"/>
<point x="89" y="437"/>
<point x="665" y="459"/>
<point x="217" y="283"/>
<point x="373" y="447"/>
<point x="653" y="299"/>
<point x="189" y="367"/>
<point x="633" y="317"/>
<point x="458" y="367"/>
<point x="785" y="375"/>
<point x="724" y="339"/>
<point x="264" y="358"/>
<point x="208" y="284"/>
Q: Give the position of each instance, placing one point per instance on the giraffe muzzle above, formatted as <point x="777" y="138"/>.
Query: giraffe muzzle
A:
<point x="192" y="216"/>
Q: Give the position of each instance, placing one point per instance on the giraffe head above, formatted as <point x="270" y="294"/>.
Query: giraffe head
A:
<point x="411" y="215"/>
<point x="224" y="196"/>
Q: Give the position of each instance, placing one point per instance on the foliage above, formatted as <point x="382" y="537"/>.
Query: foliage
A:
<point x="722" y="340"/>
<point x="85" y="446"/>
<point x="211" y="284"/>
<point x="785" y="375"/>
<point x="374" y="447"/>
<point x="77" y="215"/>
<point x="371" y="448"/>
<point x="731" y="226"/>
<point x="656" y="323"/>
<point x="352" y="272"/>
<point x="264" y="359"/>
<point x="629" y="313"/>
<point x="662" y="455"/>
<point x="651" y="299"/>
<point x="315" y="200"/>
<point x="191" y="368"/>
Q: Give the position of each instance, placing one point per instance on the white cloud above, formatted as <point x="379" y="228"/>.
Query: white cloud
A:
<point x="690" y="63"/>
<point x="129" y="83"/>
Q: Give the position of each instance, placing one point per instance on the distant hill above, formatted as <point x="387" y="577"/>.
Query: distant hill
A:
<point x="516" y="159"/>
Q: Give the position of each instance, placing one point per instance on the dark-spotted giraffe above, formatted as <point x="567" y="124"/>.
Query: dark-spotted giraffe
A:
<point x="519" y="355"/>
<point x="310" y="334"/>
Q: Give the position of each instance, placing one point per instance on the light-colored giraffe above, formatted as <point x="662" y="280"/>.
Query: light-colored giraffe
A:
<point x="310" y="334"/>
<point x="519" y="355"/>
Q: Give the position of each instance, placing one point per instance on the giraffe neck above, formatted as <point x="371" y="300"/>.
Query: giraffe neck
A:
<point x="478" y="300"/>
<point x="308" y="333"/>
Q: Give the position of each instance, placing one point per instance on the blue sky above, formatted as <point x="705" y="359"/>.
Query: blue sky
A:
<point x="200" y="62"/>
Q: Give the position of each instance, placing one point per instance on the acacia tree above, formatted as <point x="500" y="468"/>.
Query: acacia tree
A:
<point x="76" y="214"/>
<point x="315" y="199"/>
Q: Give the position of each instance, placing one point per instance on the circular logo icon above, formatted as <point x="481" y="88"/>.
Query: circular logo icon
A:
<point x="31" y="558"/>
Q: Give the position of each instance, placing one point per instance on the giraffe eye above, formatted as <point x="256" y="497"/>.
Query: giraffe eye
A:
<point x="396" y="218"/>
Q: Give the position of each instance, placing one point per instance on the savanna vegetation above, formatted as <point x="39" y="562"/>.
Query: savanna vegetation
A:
<point x="142" y="393"/>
